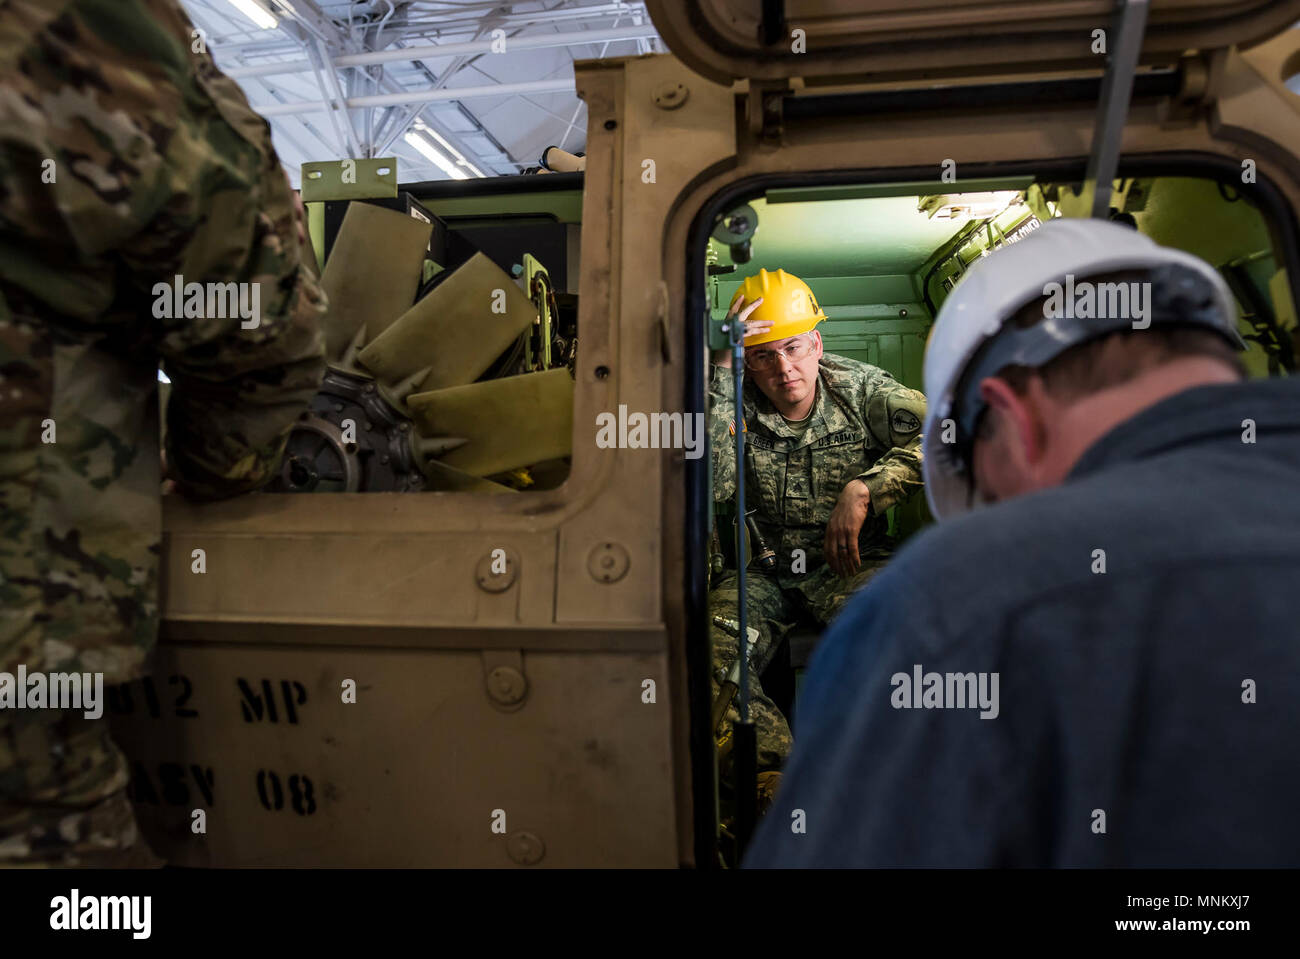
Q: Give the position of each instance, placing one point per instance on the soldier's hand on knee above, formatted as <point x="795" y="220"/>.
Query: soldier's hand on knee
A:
<point x="845" y="524"/>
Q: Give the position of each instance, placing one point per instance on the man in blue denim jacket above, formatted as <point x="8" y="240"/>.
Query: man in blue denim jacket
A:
<point x="1094" y="658"/>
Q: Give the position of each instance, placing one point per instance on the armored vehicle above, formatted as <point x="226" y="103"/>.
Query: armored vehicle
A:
<point x="465" y="630"/>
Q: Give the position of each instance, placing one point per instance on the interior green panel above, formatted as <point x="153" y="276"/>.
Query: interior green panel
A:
<point x="1196" y="215"/>
<point x="868" y="237"/>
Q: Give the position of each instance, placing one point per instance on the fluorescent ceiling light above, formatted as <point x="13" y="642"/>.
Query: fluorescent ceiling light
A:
<point x="431" y="152"/>
<point x="958" y="206"/>
<point x="456" y="155"/>
<point x="256" y="12"/>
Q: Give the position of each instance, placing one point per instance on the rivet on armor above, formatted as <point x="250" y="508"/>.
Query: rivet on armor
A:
<point x="496" y="571"/>
<point x="670" y="95"/>
<point x="525" y="848"/>
<point x="608" y="562"/>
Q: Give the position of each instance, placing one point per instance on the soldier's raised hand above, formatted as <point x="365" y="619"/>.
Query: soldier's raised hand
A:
<point x="741" y="310"/>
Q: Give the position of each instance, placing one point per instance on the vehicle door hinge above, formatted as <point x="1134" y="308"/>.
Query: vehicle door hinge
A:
<point x="764" y="109"/>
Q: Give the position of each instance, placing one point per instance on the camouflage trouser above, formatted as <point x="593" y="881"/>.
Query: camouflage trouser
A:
<point x="825" y="594"/>
<point x="773" y="611"/>
<point x="63" y="793"/>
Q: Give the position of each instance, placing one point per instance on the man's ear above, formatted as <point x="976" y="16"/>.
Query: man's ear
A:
<point x="1021" y="413"/>
<point x="817" y="339"/>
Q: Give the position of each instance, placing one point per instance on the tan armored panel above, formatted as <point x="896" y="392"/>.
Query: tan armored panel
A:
<point x="372" y="273"/>
<point x="363" y="757"/>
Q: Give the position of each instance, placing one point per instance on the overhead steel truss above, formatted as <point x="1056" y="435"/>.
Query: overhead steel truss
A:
<point x="378" y="77"/>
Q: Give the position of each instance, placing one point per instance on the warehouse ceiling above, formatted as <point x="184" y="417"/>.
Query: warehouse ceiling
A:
<point x="453" y="89"/>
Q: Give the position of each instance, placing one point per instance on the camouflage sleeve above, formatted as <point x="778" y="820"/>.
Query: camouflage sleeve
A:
<point x="894" y="415"/>
<point x="722" y="439"/>
<point x="247" y="364"/>
<point x="157" y="173"/>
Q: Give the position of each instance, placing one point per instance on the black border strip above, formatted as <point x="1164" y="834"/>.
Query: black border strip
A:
<point x="1014" y="95"/>
<point x="494" y="186"/>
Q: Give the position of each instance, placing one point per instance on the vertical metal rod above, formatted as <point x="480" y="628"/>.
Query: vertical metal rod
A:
<point x="1113" y="103"/>
<point x="737" y="334"/>
<point x="744" y="738"/>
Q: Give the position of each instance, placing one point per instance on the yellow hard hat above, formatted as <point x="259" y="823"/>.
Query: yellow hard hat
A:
<point x="787" y="301"/>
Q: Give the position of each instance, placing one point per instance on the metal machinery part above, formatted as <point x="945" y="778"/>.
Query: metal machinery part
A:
<point x="736" y="228"/>
<point x="549" y="345"/>
<point x="555" y="160"/>
<point x="419" y="370"/>
<point x="351" y="440"/>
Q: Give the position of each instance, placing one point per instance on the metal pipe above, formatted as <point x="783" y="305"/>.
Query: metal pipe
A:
<point x="255" y="47"/>
<point x="737" y="333"/>
<point x="744" y="735"/>
<point x="392" y="9"/>
<point x="455" y="11"/>
<point x="459" y="24"/>
<point x="413" y="112"/>
<point x="421" y="96"/>
<point x="426" y="51"/>
<point x="324" y="76"/>
<point x="1113" y="104"/>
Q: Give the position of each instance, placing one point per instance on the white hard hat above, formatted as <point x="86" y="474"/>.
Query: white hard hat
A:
<point x="999" y="285"/>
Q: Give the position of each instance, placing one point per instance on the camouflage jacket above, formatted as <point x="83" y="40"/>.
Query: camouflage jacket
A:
<point x="127" y="161"/>
<point x="865" y="425"/>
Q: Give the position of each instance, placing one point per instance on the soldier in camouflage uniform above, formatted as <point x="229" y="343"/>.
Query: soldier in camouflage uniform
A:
<point x="830" y="445"/>
<point x="126" y="159"/>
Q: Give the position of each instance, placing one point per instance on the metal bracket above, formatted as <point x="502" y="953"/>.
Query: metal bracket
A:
<point x="1112" y="106"/>
<point x="736" y="228"/>
<point x="764" y="110"/>
<point x="374" y="178"/>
